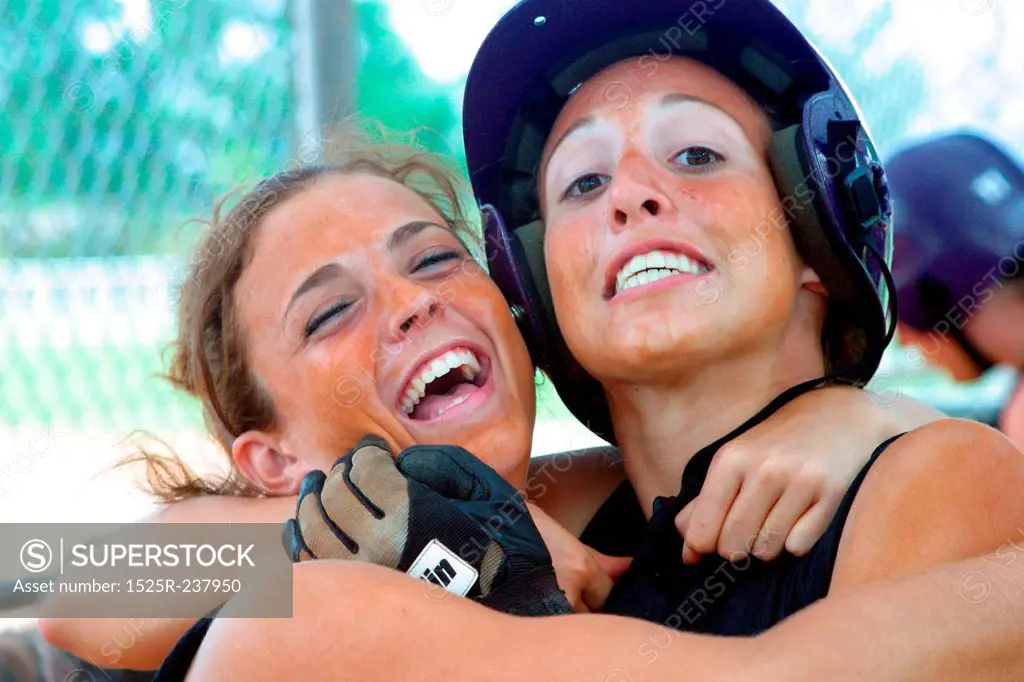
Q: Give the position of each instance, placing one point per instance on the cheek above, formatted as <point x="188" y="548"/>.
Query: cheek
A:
<point x="337" y="400"/>
<point x="570" y="256"/>
<point x="482" y="303"/>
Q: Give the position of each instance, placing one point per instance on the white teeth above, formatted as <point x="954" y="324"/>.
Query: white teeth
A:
<point x="652" y="266"/>
<point x="462" y="359"/>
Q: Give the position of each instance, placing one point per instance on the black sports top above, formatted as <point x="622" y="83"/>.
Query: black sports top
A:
<point x="714" y="596"/>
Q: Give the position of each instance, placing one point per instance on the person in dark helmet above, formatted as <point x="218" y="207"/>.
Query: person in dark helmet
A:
<point x="743" y="300"/>
<point x="704" y="214"/>
<point x="959" y="249"/>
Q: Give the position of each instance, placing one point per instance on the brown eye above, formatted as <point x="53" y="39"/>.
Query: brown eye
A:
<point x="698" y="158"/>
<point x="584" y="185"/>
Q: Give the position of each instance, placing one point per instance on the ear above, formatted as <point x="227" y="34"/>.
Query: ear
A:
<point x="810" y="281"/>
<point x="259" y="457"/>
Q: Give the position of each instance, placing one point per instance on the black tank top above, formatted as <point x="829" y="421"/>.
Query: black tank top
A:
<point x="714" y="596"/>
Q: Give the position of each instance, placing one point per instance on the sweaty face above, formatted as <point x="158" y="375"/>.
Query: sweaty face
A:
<point x="665" y="242"/>
<point x="363" y="314"/>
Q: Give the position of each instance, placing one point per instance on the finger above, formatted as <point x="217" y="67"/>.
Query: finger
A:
<point x="747" y="516"/>
<point x="367" y="501"/>
<point x="595" y="592"/>
<point x="366" y="441"/>
<point x="771" y="539"/>
<point x="812" y="525"/>
<point x="451" y="471"/>
<point x="323" y="539"/>
<point x="614" y="566"/>
<point x="576" y="602"/>
<point x="372" y="478"/>
<point x="711" y="508"/>
<point x="683" y="517"/>
<point x="294" y="544"/>
<point x="690" y="556"/>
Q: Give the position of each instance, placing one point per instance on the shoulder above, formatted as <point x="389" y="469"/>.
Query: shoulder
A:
<point x="948" y="490"/>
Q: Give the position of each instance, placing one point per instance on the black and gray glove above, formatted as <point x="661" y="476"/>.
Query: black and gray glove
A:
<point x="437" y="513"/>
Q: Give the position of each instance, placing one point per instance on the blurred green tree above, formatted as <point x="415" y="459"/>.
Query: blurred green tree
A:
<point x="115" y="133"/>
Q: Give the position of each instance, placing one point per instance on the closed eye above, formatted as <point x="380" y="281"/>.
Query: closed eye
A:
<point x="436" y="258"/>
<point x="322" y="317"/>
<point x="584" y="185"/>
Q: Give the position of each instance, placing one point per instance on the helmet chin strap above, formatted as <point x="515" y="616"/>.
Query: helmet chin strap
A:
<point x="697" y="468"/>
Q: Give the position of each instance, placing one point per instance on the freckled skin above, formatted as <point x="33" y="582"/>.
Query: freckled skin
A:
<point x="748" y="299"/>
<point x="344" y="382"/>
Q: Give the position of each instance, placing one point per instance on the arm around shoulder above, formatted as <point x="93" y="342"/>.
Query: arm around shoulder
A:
<point x="947" y="491"/>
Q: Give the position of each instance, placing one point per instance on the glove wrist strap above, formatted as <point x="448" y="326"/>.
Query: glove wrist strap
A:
<point x="535" y="593"/>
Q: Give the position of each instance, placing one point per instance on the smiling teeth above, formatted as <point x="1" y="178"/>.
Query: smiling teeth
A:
<point x="654" y="265"/>
<point x="461" y="359"/>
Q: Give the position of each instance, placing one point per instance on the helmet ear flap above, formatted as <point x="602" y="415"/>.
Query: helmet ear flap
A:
<point x="511" y="270"/>
<point x="835" y="198"/>
<point x="517" y="266"/>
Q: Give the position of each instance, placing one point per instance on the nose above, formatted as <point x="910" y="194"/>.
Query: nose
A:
<point x="634" y="195"/>
<point x="414" y="308"/>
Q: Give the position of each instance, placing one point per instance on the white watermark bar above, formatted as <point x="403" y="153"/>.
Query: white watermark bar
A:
<point x="143" y="571"/>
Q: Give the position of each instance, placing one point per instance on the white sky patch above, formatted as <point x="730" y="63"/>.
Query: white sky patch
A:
<point x="971" y="61"/>
<point x="242" y="42"/>
<point x="444" y="35"/>
<point x="138" y="18"/>
<point x="98" y="37"/>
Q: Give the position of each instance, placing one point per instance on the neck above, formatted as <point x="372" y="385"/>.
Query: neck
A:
<point x="662" y="426"/>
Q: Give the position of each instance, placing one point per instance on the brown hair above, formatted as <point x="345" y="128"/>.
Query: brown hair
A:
<point x="210" y="361"/>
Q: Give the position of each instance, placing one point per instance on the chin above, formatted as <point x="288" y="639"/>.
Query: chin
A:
<point x="647" y="350"/>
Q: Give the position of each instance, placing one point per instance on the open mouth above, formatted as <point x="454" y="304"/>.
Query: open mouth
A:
<point x="653" y="266"/>
<point x="443" y="383"/>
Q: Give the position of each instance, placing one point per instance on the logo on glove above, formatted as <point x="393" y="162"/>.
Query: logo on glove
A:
<point x="439" y="565"/>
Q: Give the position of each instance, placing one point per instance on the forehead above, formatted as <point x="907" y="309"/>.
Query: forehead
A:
<point x="356" y="208"/>
<point x="624" y="90"/>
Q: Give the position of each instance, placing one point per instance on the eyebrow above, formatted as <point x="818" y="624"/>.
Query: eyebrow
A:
<point x="674" y="98"/>
<point x="582" y="123"/>
<point x="332" y="271"/>
<point x="408" y="231"/>
<point x="322" y="275"/>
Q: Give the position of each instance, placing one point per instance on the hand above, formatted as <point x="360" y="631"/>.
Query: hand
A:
<point x="779" y="485"/>
<point x="584" y="574"/>
<point x="438" y="514"/>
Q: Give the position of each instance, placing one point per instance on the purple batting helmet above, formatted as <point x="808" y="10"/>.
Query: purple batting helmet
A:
<point x="823" y="158"/>
<point x="961" y="230"/>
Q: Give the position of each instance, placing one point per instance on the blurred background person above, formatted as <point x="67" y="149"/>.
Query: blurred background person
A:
<point x="959" y="258"/>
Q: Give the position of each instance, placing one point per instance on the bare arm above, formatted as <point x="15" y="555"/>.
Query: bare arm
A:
<point x="947" y="491"/>
<point x="94" y="639"/>
<point x="383" y="626"/>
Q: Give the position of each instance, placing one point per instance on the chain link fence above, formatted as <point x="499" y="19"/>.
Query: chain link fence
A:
<point x="122" y="119"/>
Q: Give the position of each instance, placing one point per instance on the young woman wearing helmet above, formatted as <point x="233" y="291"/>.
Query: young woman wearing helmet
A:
<point x="690" y="168"/>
